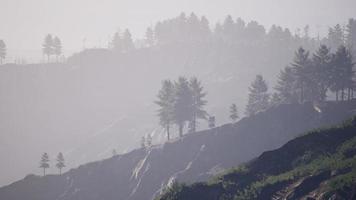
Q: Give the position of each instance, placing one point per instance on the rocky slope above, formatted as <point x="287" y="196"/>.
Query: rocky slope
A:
<point x="144" y="173"/>
<point x="318" y="165"/>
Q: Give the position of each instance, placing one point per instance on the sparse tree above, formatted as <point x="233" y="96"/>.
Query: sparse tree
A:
<point x="2" y="51"/>
<point x="211" y="122"/>
<point x="342" y="73"/>
<point x="116" y="43"/>
<point x="150" y="38"/>
<point x="127" y="42"/>
<point x="143" y="142"/>
<point x="234" y="115"/>
<point x="47" y="46"/>
<point x="258" y="99"/>
<point x="57" y="47"/>
<point x="182" y="109"/>
<point x="60" y="162"/>
<point x="149" y="140"/>
<point x="286" y="86"/>
<point x="301" y="64"/>
<point x="199" y="102"/>
<point x="166" y="105"/>
<point x="44" y="164"/>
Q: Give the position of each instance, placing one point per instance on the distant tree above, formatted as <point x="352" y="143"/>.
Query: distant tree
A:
<point x="149" y="140"/>
<point x="47" y="46"/>
<point x="128" y="44"/>
<point x="321" y="72"/>
<point x="150" y="38"/>
<point x="60" y="163"/>
<point x="286" y="86"/>
<point x="114" y="152"/>
<point x="182" y="109"/>
<point x="198" y="94"/>
<point x="2" y="51"/>
<point x="44" y="164"/>
<point x="116" y="43"/>
<point x="211" y="122"/>
<point x="143" y="142"/>
<point x="342" y="73"/>
<point x="351" y="36"/>
<point x="258" y="99"/>
<point x="234" y="115"/>
<point x="335" y="37"/>
<point x="166" y="98"/>
<point x="57" y="47"/>
<point x="301" y="64"/>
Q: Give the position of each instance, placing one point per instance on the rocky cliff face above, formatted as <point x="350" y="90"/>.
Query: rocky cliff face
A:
<point x="143" y="173"/>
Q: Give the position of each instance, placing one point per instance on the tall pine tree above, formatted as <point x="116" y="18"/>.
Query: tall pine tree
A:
<point x="258" y="98"/>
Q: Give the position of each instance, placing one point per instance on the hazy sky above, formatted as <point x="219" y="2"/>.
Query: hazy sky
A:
<point x="24" y="23"/>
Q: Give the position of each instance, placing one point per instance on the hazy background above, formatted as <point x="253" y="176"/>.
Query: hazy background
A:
<point x="90" y="23"/>
<point x="87" y="109"/>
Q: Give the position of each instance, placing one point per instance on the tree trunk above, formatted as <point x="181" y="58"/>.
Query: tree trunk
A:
<point x="60" y="171"/>
<point x="180" y="130"/>
<point x="337" y="95"/>
<point x="342" y="94"/>
<point x="167" y="129"/>
<point x="348" y="94"/>
<point x="302" y="93"/>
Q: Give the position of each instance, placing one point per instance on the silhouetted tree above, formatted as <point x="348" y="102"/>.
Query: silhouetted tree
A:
<point x="351" y="36"/>
<point x="286" y="86"/>
<point x="2" y="51"/>
<point x="258" y="98"/>
<point x="321" y="72"/>
<point x="127" y="42"/>
<point x="198" y="101"/>
<point x="234" y="115"/>
<point x="150" y="38"/>
<point x="342" y="72"/>
<point x="182" y="109"/>
<point x="335" y="37"/>
<point x="166" y="98"/>
<point x="114" y="152"/>
<point x="143" y="142"/>
<point x="116" y="42"/>
<point x="44" y="164"/>
<point x="301" y="64"/>
<point x="149" y="140"/>
<point x="211" y="122"/>
<point x="57" y="47"/>
<point x="47" y="46"/>
<point x="60" y="162"/>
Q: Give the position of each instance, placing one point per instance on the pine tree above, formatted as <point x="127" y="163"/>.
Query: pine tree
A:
<point x="342" y="73"/>
<point x="211" y="122"/>
<point x="143" y="142"/>
<point x="234" y="115"/>
<point x="321" y="68"/>
<point x="198" y="101"/>
<point x="286" y="86"/>
<point x="60" y="162"/>
<point x="2" y="51"/>
<point x="128" y="44"/>
<point x="351" y="36"/>
<point x="258" y="98"/>
<point x="335" y="37"/>
<point x="116" y="43"/>
<point x="301" y="64"/>
<point x="182" y="109"/>
<point x="57" y="47"/>
<point x="149" y="140"/>
<point x="44" y="164"/>
<point x="150" y="39"/>
<point x="47" y="46"/>
<point x="166" y="105"/>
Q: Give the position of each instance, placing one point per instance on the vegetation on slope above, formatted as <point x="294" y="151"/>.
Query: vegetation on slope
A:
<point x="318" y="165"/>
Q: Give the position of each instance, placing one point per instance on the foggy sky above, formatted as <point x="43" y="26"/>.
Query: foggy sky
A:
<point x="23" y="23"/>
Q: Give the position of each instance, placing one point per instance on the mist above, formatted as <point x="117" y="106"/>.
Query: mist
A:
<point x="108" y="92"/>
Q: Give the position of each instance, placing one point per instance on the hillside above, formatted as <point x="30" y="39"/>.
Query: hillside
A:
<point x="144" y="173"/>
<point x="318" y="165"/>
